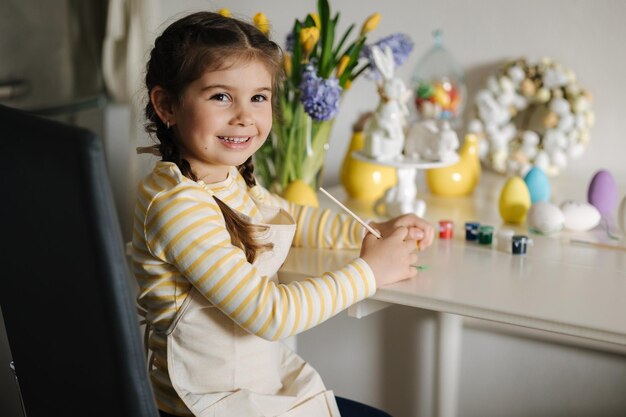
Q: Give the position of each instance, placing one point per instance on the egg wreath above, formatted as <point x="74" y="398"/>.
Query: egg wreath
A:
<point x="532" y="114"/>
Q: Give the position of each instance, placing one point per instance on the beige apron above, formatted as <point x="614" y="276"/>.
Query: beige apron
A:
<point x="219" y="369"/>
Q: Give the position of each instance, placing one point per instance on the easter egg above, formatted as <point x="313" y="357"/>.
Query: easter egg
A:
<point x="425" y="90"/>
<point x="580" y="216"/>
<point x="545" y="218"/>
<point x="602" y="192"/>
<point x="538" y="185"/>
<point x="441" y="96"/>
<point x="300" y="192"/>
<point x="514" y="200"/>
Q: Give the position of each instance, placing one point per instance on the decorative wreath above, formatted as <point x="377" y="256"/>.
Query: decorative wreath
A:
<point x="532" y="114"/>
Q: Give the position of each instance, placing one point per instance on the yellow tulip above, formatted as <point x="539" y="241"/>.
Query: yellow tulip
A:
<point x="343" y="64"/>
<point x="370" y="23"/>
<point x="316" y="19"/>
<point x="287" y="63"/>
<point x="225" y="12"/>
<point x="261" y="22"/>
<point x="347" y="85"/>
<point x="308" y="39"/>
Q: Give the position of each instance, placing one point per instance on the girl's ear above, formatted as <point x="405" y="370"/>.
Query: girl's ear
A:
<point x="163" y="105"/>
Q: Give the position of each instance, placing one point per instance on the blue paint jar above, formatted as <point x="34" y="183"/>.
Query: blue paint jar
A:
<point x="518" y="244"/>
<point x="471" y="231"/>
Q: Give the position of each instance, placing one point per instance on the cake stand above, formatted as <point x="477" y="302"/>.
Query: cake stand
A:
<point x="402" y="197"/>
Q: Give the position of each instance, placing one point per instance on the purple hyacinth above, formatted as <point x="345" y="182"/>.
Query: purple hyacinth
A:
<point x="320" y="96"/>
<point x="401" y="46"/>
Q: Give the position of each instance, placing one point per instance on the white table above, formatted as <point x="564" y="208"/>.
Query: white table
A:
<point x="557" y="286"/>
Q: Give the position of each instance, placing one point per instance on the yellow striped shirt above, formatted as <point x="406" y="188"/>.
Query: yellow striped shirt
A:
<point x="180" y="240"/>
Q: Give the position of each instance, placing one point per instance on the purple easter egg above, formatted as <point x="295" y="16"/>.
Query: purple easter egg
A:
<point x="602" y="192"/>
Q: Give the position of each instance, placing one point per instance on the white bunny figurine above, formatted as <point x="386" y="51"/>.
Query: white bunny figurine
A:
<point x="431" y="140"/>
<point x="384" y="132"/>
<point x="401" y="198"/>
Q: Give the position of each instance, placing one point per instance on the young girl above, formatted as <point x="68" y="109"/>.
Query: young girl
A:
<point x="208" y="241"/>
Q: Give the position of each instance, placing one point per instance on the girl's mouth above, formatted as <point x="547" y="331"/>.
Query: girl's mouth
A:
<point x="235" y="142"/>
<point x="234" y="139"/>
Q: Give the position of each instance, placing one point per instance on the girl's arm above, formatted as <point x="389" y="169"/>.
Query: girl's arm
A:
<point x="316" y="228"/>
<point x="189" y="233"/>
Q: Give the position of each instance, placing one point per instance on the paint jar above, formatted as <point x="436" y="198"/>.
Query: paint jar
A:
<point x="504" y="237"/>
<point x="485" y="235"/>
<point x="446" y="229"/>
<point x="518" y="244"/>
<point x="471" y="231"/>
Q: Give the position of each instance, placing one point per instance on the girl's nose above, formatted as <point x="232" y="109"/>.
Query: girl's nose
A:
<point x="242" y="117"/>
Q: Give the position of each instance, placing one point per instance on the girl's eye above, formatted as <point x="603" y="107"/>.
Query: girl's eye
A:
<point x="259" y="98"/>
<point x="220" y="97"/>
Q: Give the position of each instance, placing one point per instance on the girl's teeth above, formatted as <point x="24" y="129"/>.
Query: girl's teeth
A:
<point x="234" y="140"/>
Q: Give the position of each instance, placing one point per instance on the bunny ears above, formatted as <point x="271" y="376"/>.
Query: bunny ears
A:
<point x="383" y="61"/>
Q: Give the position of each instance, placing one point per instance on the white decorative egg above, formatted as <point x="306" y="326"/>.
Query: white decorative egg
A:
<point x="545" y="218"/>
<point x="580" y="216"/>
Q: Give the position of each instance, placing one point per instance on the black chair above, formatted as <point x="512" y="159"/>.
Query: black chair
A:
<point x="66" y="292"/>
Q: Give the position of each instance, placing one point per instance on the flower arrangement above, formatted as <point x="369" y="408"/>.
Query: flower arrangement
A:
<point x="532" y="113"/>
<point x="319" y="67"/>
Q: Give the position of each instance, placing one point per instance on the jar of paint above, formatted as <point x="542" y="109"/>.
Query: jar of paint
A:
<point x="485" y="235"/>
<point x="446" y="229"/>
<point x="471" y="231"/>
<point x="518" y="244"/>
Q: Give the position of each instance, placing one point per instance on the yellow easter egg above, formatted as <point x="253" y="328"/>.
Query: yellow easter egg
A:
<point x="441" y="97"/>
<point x="514" y="200"/>
<point x="300" y="192"/>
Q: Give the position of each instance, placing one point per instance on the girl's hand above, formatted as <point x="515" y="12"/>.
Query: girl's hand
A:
<point x="392" y="257"/>
<point x="418" y="229"/>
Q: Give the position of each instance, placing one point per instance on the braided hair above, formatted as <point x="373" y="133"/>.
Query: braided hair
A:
<point x="186" y="49"/>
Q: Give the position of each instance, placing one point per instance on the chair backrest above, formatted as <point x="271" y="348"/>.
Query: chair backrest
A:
<point x="66" y="291"/>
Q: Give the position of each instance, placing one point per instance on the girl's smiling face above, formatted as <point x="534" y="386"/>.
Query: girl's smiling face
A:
<point x="223" y="118"/>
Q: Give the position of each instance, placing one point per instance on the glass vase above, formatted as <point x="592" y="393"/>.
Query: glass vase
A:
<point x="296" y="149"/>
<point x="438" y="84"/>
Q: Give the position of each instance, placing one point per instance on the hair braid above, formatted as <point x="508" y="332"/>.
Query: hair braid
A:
<point x="247" y="172"/>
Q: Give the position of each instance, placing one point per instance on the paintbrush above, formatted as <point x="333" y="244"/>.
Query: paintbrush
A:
<point x="357" y="218"/>
<point x="367" y="226"/>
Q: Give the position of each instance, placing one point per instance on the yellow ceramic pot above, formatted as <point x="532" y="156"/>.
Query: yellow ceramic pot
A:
<point x="458" y="179"/>
<point x="364" y="181"/>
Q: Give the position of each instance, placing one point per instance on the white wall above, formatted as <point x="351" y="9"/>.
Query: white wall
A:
<point x="585" y="36"/>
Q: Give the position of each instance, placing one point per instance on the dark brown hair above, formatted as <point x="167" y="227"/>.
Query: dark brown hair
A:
<point x="189" y="47"/>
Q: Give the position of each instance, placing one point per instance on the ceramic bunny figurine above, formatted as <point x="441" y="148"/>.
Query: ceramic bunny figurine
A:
<point x="431" y="140"/>
<point x="401" y="199"/>
<point x="384" y="132"/>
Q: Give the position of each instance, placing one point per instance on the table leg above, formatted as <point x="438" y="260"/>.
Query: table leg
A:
<point x="450" y="327"/>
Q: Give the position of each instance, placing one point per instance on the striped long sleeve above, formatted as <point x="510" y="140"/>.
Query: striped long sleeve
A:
<point x="183" y="238"/>
<point x="316" y="228"/>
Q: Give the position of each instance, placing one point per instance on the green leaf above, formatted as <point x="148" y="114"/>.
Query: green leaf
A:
<point x="296" y="58"/>
<point x="352" y="62"/>
<point x="309" y="22"/>
<point x="341" y="42"/>
<point x="326" y="38"/>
